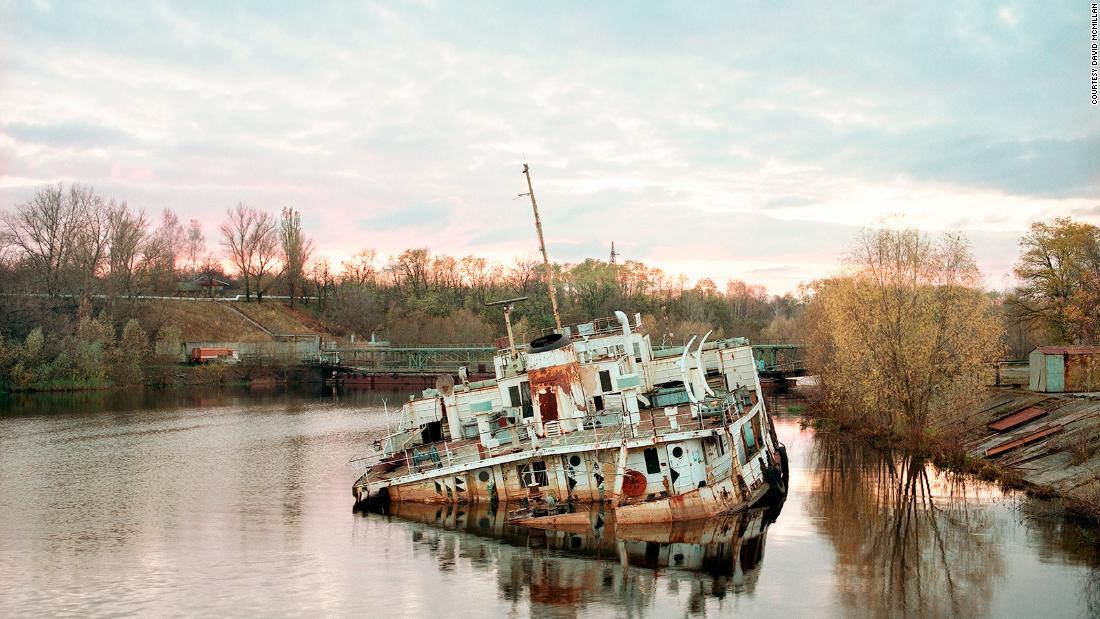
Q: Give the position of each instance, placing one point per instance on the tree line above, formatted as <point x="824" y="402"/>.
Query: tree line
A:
<point x="74" y="241"/>
<point x="70" y="241"/>
<point x="905" y="337"/>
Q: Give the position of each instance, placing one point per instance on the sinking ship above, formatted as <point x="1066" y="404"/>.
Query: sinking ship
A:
<point x="592" y="414"/>
<point x="588" y="413"/>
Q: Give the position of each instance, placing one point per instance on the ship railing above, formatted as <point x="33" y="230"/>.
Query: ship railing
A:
<point x="598" y="430"/>
<point x="595" y="327"/>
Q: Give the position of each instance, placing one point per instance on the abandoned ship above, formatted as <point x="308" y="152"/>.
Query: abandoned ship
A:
<point x="593" y="414"/>
<point x="588" y="414"/>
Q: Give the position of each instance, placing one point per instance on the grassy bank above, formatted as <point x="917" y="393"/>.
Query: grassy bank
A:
<point x="1064" y="464"/>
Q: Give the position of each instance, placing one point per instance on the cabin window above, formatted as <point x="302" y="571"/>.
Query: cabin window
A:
<point x="513" y="395"/>
<point x="652" y="464"/>
<point x="637" y="352"/>
<point x="525" y="399"/>
<point x="605" y="381"/>
<point x="750" y="440"/>
<point x="597" y="402"/>
<point x="533" y="473"/>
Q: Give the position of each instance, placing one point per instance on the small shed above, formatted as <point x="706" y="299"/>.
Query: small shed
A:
<point x="203" y="285"/>
<point x="1064" y="369"/>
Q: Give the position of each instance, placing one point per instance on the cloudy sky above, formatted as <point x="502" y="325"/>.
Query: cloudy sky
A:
<point x="729" y="140"/>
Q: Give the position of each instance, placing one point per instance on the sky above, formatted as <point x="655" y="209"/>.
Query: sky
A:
<point x="731" y="140"/>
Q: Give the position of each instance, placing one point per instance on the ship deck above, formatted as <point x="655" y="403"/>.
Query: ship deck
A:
<point x="654" y="424"/>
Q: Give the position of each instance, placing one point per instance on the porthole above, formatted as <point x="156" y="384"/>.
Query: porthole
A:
<point x="677" y="452"/>
<point x="575" y="460"/>
<point x="483" y="475"/>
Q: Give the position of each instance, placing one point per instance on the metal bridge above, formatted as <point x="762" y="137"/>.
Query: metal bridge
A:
<point x="417" y="360"/>
<point x="782" y="358"/>
<point x="779" y="359"/>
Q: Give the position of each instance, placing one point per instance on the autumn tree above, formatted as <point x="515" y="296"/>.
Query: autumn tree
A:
<point x="594" y="283"/>
<point x="905" y="337"/>
<point x="1059" y="270"/>
<point x="296" y="251"/>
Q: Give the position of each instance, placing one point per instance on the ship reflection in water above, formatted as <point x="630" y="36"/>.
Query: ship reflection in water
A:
<point x="863" y="532"/>
<point x="562" y="567"/>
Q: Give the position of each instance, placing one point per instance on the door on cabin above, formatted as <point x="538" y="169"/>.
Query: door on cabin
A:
<point x="548" y="405"/>
<point x="686" y="468"/>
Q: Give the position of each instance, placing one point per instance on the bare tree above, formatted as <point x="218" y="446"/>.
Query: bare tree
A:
<point x="164" y="251"/>
<point x="250" y="240"/>
<point x="43" y="229"/>
<point x="296" y="250"/>
<point x="91" y="239"/>
<point x="360" y="268"/>
<point x="524" y="274"/>
<point x="266" y="262"/>
<point x="196" y="244"/>
<point x="236" y="233"/>
<point x="129" y="233"/>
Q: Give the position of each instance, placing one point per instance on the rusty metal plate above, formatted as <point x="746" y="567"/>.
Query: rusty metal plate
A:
<point x="634" y="483"/>
<point x="1008" y="446"/>
<point x="1018" y="418"/>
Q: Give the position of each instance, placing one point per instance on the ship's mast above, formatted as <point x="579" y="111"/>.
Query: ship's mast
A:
<point x="542" y="248"/>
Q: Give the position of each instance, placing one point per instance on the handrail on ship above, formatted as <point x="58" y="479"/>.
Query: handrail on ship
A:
<point x="576" y="437"/>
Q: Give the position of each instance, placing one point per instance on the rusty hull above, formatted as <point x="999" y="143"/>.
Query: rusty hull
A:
<point x="560" y="376"/>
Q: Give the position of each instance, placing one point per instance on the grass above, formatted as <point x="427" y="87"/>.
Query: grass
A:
<point x="214" y="321"/>
<point x="275" y="316"/>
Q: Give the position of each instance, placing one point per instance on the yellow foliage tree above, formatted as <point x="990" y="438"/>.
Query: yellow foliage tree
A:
<point x="905" y="337"/>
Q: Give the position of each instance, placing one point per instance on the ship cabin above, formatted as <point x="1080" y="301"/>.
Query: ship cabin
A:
<point x="600" y="374"/>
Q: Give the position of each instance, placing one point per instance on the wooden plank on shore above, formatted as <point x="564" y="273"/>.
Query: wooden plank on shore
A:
<point x="1018" y="418"/>
<point x="1008" y="446"/>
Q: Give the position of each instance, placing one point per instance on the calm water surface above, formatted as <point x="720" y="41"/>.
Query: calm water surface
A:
<point x="239" y="503"/>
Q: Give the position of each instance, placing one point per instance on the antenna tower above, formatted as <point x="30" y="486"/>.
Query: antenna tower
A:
<point x="542" y="248"/>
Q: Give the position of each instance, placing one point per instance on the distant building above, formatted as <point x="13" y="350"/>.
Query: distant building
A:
<point x="1064" y="369"/>
<point x="202" y="286"/>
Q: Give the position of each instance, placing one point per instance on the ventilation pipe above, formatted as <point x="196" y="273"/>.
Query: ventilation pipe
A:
<point x="628" y="348"/>
<point x="687" y="377"/>
<point x="630" y="391"/>
<point x="700" y="367"/>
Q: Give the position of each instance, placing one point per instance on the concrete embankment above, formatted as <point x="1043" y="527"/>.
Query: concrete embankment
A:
<point x="1050" y="442"/>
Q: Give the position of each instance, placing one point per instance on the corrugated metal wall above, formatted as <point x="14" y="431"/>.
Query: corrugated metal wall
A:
<point x="1063" y="372"/>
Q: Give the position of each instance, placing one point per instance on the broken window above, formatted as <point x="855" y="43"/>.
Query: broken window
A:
<point x="652" y="463"/>
<point x="533" y="473"/>
<point x="750" y="441"/>
<point x="605" y="381"/>
<point x="525" y="399"/>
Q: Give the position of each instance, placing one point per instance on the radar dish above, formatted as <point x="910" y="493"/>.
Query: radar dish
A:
<point x="445" y="384"/>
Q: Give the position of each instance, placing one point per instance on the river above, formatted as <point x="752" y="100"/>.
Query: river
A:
<point x="238" y="503"/>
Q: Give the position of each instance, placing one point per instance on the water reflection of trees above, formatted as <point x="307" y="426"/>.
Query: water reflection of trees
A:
<point x="908" y="542"/>
<point x="1058" y="538"/>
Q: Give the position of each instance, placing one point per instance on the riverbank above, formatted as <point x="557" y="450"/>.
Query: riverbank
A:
<point x="1049" y="443"/>
<point x="177" y="375"/>
<point x="1045" y="444"/>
